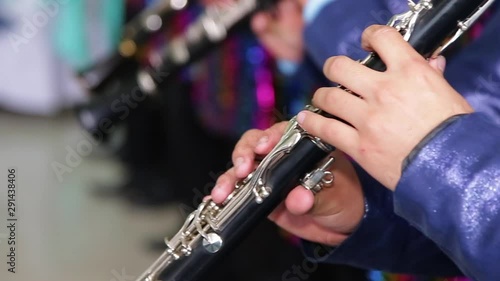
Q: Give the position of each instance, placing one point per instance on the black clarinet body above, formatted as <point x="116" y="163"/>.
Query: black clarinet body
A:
<point x="433" y="27"/>
<point x="285" y="175"/>
<point x="213" y="230"/>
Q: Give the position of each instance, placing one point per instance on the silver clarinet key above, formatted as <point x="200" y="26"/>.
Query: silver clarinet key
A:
<point x="212" y="242"/>
<point x="319" y="178"/>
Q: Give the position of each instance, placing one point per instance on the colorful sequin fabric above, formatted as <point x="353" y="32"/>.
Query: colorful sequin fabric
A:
<point x="380" y="276"/>
<point x="236" y="87"/>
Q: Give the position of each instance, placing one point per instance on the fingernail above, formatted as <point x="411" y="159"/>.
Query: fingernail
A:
<point x="326" y="65"/>
<point x="263" y="140"/>
<point x="239" y="161"/>
<point x="441" y="63"/>
<point x="300" y="117"/>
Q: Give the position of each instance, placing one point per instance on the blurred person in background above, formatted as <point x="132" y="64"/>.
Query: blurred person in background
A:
<point x="43" y="42"/>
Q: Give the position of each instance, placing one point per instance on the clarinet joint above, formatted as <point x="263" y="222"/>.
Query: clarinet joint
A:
<point x="463" y="26"/>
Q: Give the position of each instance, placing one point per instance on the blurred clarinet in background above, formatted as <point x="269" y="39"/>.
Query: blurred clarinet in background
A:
<point x="211" y="28"/>
<point x="136" y="33"/>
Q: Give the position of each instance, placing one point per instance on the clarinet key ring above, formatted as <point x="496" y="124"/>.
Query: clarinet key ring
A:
<point x="316" y="180"/>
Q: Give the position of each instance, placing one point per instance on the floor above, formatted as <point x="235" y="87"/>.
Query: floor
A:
<point x="63" y="232"/>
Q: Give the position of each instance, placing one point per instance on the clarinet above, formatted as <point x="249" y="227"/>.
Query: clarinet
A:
<point x="212" y="230"/>
<point x="211" y="28"/>
<point x="149" y="21"/>
<point x="135" y="33"/>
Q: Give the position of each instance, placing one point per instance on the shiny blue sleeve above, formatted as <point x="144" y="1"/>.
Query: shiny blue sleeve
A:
<point x="384" y="241"/>
<point x="450" y="191"/>
<point x="336" y="29"/>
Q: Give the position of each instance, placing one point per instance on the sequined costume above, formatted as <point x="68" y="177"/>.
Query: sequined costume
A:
<point x="451" y="187"/>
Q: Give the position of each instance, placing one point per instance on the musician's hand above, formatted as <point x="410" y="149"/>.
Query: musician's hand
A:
<point x="398" y="108"/>
<point x="280" y="30"/>
<point x="327" y="218"/>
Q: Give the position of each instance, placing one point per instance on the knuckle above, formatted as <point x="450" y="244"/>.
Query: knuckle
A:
<point x="267" y="132"/>
<point x="383" y="91"/>
<point x="223" y="178"/>
<point x="414" y="65"/>
<point x="240" y="151"/>
<point x="337" y="94"/>
<point x="325" y="130"/>
<point x="275" y="132"/>
<point x="279" y="128"/>
<point x="379" y="32"/>
<point x="247" y="138"/>
<point x="249" y="134"/>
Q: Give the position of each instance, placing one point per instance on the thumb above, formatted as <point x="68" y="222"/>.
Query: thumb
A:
<point x="299" y="201"/>
<point x="438" y="63"/>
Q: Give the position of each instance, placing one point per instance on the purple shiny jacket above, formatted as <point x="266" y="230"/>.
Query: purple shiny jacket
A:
<point x="444" y="217"/>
